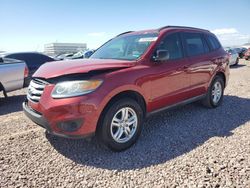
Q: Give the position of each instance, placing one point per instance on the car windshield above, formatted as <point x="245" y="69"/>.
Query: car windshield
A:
<point x="127" y="47"/>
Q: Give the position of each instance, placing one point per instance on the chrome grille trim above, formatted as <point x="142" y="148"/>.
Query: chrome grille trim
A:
<point x="35" y="85"/>
<point x="35" y="90"/>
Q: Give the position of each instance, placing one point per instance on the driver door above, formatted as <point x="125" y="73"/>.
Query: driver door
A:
<point x="170" y="81"/>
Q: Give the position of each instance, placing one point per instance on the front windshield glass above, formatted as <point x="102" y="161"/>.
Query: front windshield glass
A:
<point x="127" y="47"/>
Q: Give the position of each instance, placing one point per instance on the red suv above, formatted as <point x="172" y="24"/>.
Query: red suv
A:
<point x="128" y="78"/>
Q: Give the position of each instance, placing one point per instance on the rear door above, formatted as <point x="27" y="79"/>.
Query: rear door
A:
<point x="12" y="74"/>
<point x="200" y="65"/>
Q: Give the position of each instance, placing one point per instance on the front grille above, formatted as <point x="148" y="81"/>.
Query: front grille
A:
<point x="35" y="90"/>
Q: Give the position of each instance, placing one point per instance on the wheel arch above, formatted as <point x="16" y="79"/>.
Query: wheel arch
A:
<point x="128" y="94"/>
<point x="124" y="94"/>
<point x="221" y="74"/>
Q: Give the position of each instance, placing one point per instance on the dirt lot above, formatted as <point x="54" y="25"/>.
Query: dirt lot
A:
<point x="187" y="147"/>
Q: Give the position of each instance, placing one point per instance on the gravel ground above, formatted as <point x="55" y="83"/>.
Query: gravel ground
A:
<point x="187" y="147"/>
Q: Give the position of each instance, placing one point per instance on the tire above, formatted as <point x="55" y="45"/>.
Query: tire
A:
<point x="2" y="89"/>
<point x="209" y="101"/>
<point x="109" y="126"/>
<point x="237" y="61"/>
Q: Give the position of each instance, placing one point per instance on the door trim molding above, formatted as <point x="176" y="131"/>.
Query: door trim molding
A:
<point x="182" y="103"/>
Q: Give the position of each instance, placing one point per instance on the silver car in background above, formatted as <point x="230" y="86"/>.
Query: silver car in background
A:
<point x="233" y="56"/>
<point x="13" y="74"/>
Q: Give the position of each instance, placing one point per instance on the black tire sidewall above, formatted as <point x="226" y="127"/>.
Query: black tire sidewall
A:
<point x="216" y="79"/>
<point x="237" y="61"/>
<point x="104" y="129"/>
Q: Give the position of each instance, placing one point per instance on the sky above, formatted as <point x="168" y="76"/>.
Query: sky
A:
<point x="26" y="25"/>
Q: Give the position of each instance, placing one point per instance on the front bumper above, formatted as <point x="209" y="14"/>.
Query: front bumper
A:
<point x="35" y="116"/>
<point x="40" y="120"/>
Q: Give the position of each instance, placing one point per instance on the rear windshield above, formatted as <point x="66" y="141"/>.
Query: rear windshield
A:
<point x="125" y="47"/>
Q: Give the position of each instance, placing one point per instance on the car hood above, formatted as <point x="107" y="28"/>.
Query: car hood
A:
<point x="59" y="68"/>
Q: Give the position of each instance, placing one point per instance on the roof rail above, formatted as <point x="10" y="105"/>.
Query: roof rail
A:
<point x="181" y="27"/>
<point x="124" y="33"/>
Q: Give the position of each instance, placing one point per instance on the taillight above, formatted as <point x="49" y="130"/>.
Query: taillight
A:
<point x="26" y="72"/>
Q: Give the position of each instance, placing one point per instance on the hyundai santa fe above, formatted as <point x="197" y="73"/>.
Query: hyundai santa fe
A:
<point x="131" y="76"/>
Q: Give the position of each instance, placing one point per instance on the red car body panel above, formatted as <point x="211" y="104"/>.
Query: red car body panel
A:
<point x="160" y="84"/>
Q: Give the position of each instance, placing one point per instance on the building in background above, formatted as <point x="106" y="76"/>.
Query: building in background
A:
<point x="54" y="49"/>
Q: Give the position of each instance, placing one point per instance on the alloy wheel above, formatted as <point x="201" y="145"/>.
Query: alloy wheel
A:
<point x="124" y="125"/>
<point x="216" y="92"/>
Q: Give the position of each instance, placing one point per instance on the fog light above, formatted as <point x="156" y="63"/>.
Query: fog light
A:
<point x="70" y="126"/>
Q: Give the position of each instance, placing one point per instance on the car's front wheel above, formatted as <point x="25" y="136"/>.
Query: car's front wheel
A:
<point x="121" y="124"/>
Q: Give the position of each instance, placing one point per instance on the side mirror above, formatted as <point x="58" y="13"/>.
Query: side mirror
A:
<point x="161" y="55"/>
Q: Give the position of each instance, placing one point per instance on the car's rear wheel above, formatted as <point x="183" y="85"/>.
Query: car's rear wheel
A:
<point x="237" y="61"/>
<point x="121" y="124"/>
<point x="215" y="93"/>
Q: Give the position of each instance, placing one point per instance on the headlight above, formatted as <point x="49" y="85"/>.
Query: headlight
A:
<point x="75" y="88"/>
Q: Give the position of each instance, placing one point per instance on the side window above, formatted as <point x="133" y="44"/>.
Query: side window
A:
<point x="194" y="44"/>
<point x="172" y="44"/>
<point x="206" y="47"/>
<point x="214" y="43"/>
